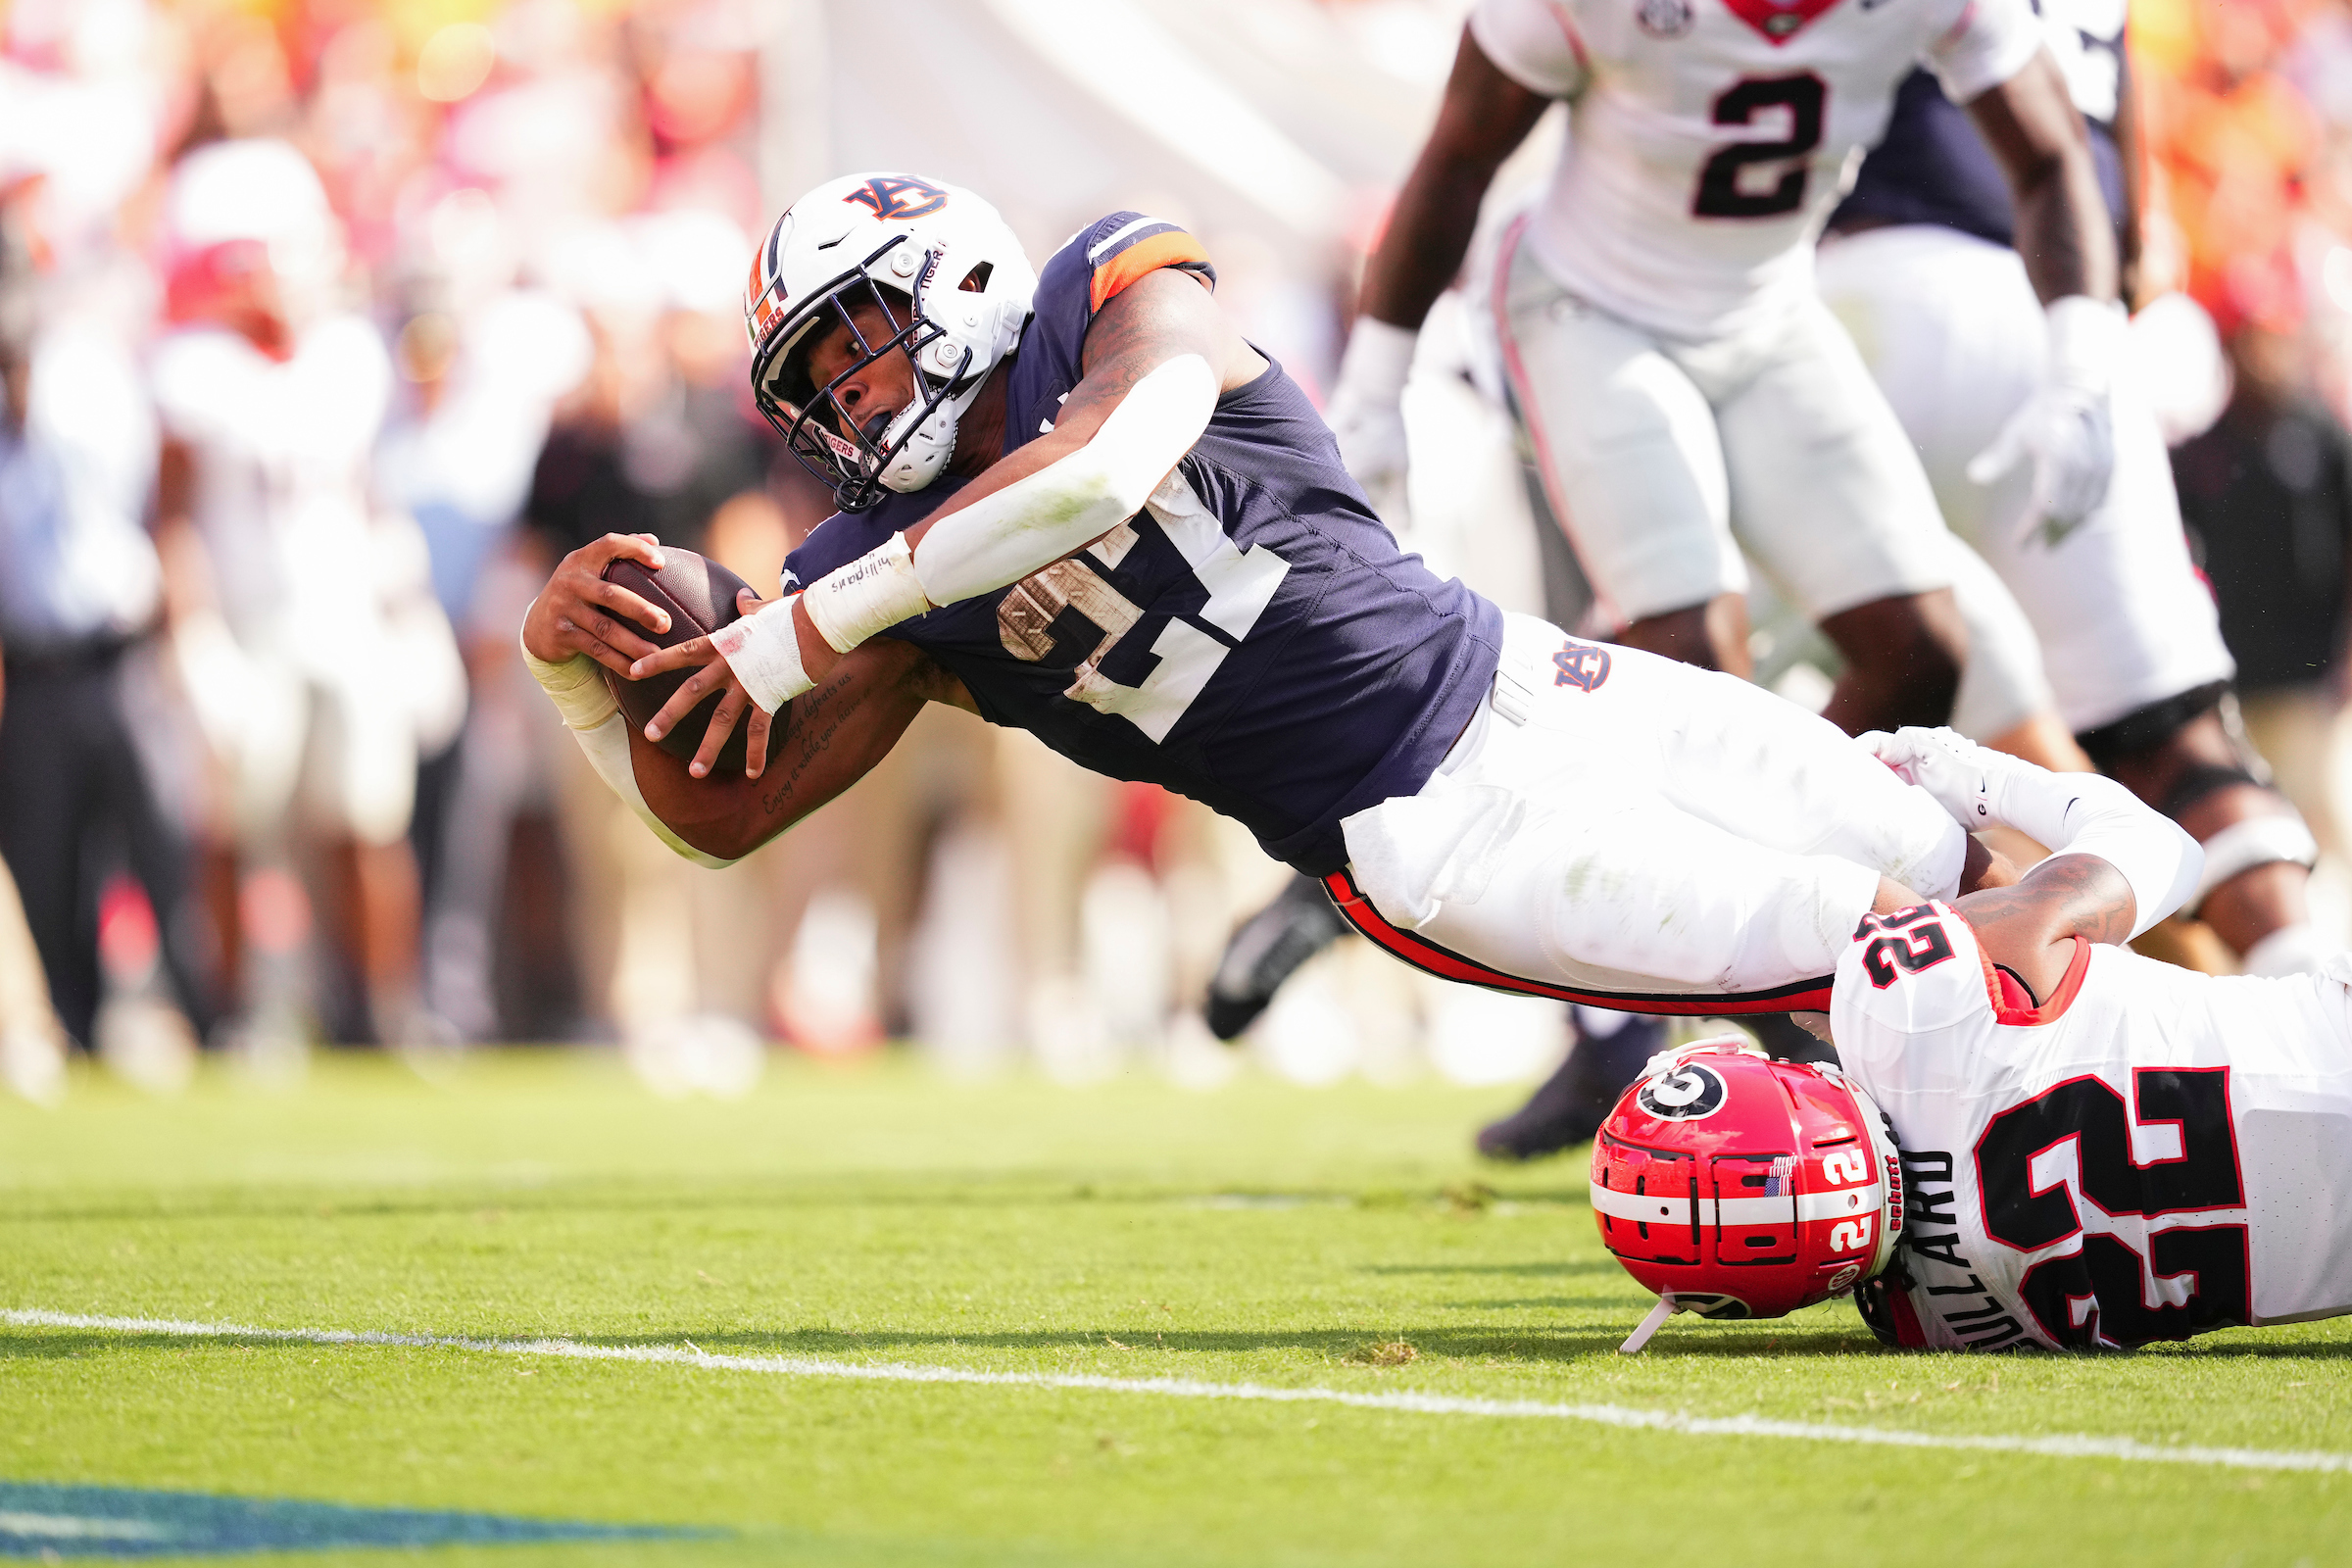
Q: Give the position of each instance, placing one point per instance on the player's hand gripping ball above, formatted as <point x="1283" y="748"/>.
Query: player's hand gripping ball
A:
<point x="700" y="596"/>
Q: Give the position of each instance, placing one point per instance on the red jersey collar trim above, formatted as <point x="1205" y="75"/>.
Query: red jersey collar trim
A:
<point x="2049" y="1012"/>
<point x="1777" y="22"/>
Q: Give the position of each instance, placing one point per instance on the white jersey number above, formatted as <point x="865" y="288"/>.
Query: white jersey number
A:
<point x="1239" y="585"/>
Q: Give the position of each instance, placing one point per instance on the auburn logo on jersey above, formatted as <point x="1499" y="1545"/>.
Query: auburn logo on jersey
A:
<point x="1580" y="664"/>
<point x="898" y="196"/>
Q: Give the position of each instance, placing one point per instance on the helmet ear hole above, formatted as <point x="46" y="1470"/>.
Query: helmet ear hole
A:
<point x="975" y="281"/>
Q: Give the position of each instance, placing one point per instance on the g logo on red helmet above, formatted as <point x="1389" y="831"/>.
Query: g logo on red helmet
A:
<point x="1688" y="1091"/>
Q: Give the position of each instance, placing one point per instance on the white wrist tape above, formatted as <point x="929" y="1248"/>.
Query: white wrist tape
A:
<point x="2087" y="338"/>
<point x="1067" y="504"/>
<point x="870" y="595"/>
<point x="576" y="686"/>
<point x="1378" y="360"/>
<point x="764" y="650"/>
<point x="2082" y="813"/>
<point x="607" y="748"/>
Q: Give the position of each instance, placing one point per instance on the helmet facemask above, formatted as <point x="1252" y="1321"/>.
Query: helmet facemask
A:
<point x="902" y="451"/>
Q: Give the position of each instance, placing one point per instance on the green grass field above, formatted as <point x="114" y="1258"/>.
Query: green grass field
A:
<point x="1256" y="1235"/>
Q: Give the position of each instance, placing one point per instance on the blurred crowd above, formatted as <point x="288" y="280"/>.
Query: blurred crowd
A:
<point x="326" y="327"/>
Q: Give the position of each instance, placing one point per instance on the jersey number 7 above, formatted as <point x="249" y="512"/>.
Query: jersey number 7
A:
<point x="1720" y="192"/>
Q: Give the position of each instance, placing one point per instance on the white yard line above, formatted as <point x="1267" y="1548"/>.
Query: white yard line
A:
<point x="2064" y="1447"/>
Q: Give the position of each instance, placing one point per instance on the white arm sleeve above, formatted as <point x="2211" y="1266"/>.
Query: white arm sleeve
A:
<point x="1067" y="504"/>
<point x="593" y="714"/>
<point x="2069" y="813"/>
<point x="992" y="543"/>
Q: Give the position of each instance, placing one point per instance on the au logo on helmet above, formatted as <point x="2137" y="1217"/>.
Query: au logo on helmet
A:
<point x="1685" y="1093"/>
<point x="898" y="196"/>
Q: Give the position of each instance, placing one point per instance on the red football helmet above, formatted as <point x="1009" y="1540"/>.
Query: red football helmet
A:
<point x="1736" y="1186"/>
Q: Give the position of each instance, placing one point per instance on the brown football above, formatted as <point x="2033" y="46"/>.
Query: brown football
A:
<point x="700" y="596"/>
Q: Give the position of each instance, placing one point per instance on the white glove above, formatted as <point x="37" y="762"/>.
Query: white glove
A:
<point x="2064" y="429"/>
<point x="1366" y="414"/>
<point x="1947" y="764"/>
<point x="2069" y="813"/>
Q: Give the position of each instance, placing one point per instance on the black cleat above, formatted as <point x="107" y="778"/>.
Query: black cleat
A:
<point x="1568" y="1108"/>
<point x="1267" y="949"/>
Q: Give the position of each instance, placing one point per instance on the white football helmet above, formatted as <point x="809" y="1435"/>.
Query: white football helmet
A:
<point x="949" y="276"/>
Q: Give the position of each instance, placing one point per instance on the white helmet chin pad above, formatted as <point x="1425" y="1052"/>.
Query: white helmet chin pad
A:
<point x="924" y="442"/>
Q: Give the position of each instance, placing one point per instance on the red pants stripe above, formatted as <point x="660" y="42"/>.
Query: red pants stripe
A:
<point x="1805" y="996"/>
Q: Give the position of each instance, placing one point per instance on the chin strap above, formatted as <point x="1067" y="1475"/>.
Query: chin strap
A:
<point x="1651" y="1325"/>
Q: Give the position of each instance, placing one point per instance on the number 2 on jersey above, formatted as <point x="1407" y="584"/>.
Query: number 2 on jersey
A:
<point x="1720" y="192"/>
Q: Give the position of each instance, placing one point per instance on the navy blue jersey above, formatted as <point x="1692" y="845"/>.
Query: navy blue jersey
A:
<point x="1253" y="638"/>
<point x="1932" y="168"/>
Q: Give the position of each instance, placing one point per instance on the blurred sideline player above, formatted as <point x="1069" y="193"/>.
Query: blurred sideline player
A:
<point x="1942" y="307"/>
<point x="2038" y="1138"/>
<point x="1150" y="556"/>
<point x="271" y="402"/>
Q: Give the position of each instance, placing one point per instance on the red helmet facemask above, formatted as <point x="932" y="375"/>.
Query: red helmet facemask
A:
<point x="1739" y="1187"/>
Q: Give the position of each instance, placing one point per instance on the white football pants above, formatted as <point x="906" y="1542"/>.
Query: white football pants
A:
<point x="1624" y="830"/>
<point x="1665" y="458"/>
<point x="1949" y="325"/>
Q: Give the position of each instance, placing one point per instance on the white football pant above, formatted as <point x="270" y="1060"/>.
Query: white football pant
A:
<point x="1950" y="326"/>
<point x="1620" y="829"/>
<point x="1665" y="458"/>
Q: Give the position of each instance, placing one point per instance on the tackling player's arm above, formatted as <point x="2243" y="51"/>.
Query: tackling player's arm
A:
<point x="1157" y="355"/>
<point x="2116" y="866"/>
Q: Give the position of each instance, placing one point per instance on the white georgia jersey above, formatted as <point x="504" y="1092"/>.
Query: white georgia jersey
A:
<point x="2149" y="1154"/>
<point x="1708" y="139"/>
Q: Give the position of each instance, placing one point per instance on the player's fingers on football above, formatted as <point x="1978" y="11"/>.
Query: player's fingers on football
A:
<point x="616" y="633"/>
<point x="754" y="741"/>
<point x="691" y="691"/>
<point x="613" y="597"/>
<point x="653" y="660"/>
<point x="641" y="548"/>
<point x="722" y="725"/>
<point x="570" y="634"/>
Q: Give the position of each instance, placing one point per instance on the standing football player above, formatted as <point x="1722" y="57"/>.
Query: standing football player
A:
<point x="2038" y="1137"/>
<point x="1688" y="397"/>
<point x="1925" y="272"/>
<point x="1080" y="504"/>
